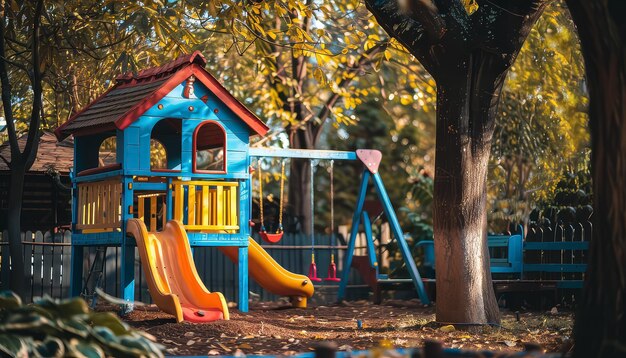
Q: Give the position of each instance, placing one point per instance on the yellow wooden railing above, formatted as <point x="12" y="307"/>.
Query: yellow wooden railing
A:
<point x="99" y="205"/>
<point x="150" y="202"/>
<point x="212" y="206"/>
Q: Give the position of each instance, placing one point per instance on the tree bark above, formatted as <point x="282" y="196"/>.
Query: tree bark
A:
<point x="466" y="110"/>
<point x="17" y="282"/>
<point x="600" y="327"/>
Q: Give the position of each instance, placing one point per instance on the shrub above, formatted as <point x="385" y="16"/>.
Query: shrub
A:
<point x="67" y="328"/>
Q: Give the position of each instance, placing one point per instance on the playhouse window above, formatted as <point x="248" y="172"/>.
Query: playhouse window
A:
<point x="165" y="145"/>
<point x="106" y="152"/>
<point x="210" y="148"/>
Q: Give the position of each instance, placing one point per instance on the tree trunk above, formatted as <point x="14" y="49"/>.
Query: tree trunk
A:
<point x="300" y="179"/>
<point x="466" y="109"/>
<point x="17" y="281"/>
<point x="300" y="193"/>
<point x="600" y="327"/>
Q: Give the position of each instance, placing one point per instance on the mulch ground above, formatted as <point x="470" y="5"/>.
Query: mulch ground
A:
<point x="272" y="328"/>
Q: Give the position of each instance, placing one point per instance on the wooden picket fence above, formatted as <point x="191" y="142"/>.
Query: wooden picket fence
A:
<point x="47" y="257"/>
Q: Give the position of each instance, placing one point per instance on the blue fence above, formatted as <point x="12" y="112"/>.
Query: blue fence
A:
<point x="47" y="258"/>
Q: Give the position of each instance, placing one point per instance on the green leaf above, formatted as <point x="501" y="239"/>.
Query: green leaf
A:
<point x="86" y="349"/>
<point x="13" y="345"/>
<point x="110" y="321"/>
<point x="9" y="300"/>
<point x="51" y="347"/>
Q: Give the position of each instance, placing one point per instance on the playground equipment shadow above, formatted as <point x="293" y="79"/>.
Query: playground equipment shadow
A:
<point x="270" y="329"/>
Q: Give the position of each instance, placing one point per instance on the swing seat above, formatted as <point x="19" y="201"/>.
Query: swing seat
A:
<point x="271" y="238"/>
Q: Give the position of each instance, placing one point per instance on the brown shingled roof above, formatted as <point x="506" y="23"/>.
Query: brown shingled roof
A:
<point x="133" y="94"/>
<point x="51" y="154"/>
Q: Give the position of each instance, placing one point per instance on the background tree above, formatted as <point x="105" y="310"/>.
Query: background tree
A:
<point x="541" y="131"/>
<point x="29" y="19"/>
<point x="468" y="48"/>
<point x="55" y="57"/>
<point x="600" y="327"/>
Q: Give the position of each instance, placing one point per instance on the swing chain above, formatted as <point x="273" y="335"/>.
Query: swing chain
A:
<point x="332" y="208"/>
<point x="282" y="189"/>
<point x="261" y="194"/>
<point x="332" y="198"/>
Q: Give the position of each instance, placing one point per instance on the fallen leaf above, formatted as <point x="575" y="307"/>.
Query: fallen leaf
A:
<point x="448" y="328"/>
<point x="189" y="334"/>
<point x="510" y="343"/>
<point x="190" y="342"/>
<point x="224" y="347"/>
<point x="213" y="352"/>
<point x="244" y="346"/>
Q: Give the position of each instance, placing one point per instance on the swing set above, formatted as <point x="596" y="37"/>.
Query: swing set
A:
<point x="371" y="161"/>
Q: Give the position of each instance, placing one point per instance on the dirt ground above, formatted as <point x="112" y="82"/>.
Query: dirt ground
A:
<point x="272" y="328"/>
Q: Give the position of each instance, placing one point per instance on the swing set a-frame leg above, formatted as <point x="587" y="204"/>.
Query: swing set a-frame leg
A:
<point x="395" y="228"/>
<point x="347" y="262"/>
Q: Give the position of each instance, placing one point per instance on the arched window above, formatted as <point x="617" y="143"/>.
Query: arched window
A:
<point x="165" y="145"/>
<point x="107" y="152"/>
<point x="209" y="143"/>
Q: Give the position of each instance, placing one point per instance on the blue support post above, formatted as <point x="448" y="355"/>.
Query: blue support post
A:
<point x="127" y="269"/>
<point x="169" y="203"/>
<point x="369" y="239"/>
<point x="243" y="278"/>
<point x="345" y="273"/>
<point x="402" y="244"/>
<point x="76" y="271"/>
<point x="76" y="259"/>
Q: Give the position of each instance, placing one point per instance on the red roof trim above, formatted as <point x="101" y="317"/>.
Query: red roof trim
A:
<point x="212" y="84"/>
<point x="193" y="64"/>
<point x="231" y="102"/>
<point x="195" y="57"/>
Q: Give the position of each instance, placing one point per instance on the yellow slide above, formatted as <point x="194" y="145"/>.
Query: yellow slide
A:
<point x="273" y="277"/>
<point x="172" y="278"/>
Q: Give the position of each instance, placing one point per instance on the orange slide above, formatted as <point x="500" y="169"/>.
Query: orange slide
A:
<point x="272" y="276"/>
<point x="172" y="278"/>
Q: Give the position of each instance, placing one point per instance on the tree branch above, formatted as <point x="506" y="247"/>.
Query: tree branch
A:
<point x="427" y="14"/>
<point x="32" y="141"/>
<point x="6" y="87"/>
<point x="410" y="33"/>
<point x="509" y="25"/>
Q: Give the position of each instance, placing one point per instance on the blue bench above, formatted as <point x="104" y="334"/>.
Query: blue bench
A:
<point x="507" y="257"/>
<point x="509" y="245"/>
